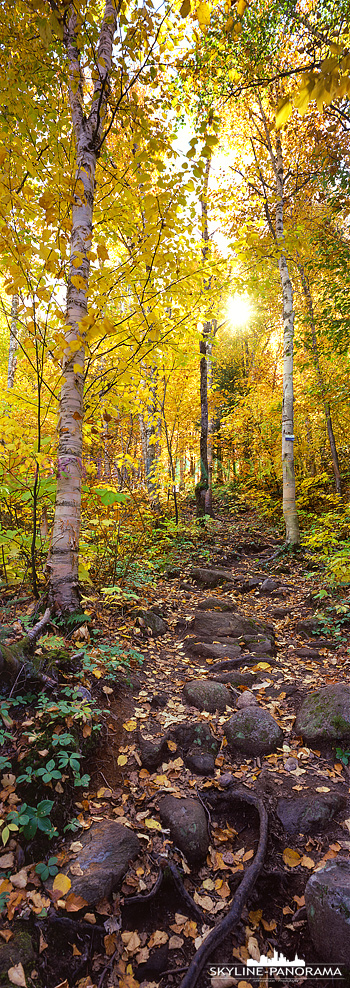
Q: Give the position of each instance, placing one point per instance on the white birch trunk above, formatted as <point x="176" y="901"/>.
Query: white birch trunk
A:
<point x="289" y="505"/>
<point x="13" y="346"/>
<point x="64" y="554"/>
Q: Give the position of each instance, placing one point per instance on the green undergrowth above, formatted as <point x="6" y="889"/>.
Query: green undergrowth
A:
<point x="46" y="739"/>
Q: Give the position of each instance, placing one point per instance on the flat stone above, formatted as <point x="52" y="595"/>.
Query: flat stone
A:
<point x="205" y="694"/>
<point x="253" y="731"/>
<point x="236" y="678"/>
<point x="107" y="849"/>
<point x="327" y="899"/>
<point x="187" y="822"/>
<point x="302" y="814"/>
<point x="221" y="651"/>
<point x="208" y="626"/>
<point x="200" y="762"/>
<point x="325" y="715"/>
<point x="246" y="699"/>
<point x="306" y="627"/>
<point x="211" y="577"/>
<point x="281" y="612"/>
<point x="269" y="586"/>
<point x="306" y="653"/>
<point x="217" y="604"/>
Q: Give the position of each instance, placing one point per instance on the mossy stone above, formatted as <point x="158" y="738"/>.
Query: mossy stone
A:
<point x="253" y="731"/>
<point x="325" y="715"/>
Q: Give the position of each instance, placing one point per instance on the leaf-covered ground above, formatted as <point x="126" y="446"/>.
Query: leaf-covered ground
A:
<point x="151" y="942"/>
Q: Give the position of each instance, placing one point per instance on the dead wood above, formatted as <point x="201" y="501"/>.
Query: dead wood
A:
<point x="227" y="924"/>
<point x="15" y="658"/>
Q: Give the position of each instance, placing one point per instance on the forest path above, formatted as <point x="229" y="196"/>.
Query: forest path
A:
<point x="279" y="677"/>
<point x="203" y="728"/>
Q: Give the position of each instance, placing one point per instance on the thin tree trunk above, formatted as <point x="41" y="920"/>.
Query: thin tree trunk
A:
<point x="288" y="472"/>
<point x="203" y="490"/>
<point x="321" y="384"/>
<point x="13" y="347"/>
<point x="150" y="436"/>
<point x="64" y="593"/>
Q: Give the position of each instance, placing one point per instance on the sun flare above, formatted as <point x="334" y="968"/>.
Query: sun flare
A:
<point x="239" y="310"/>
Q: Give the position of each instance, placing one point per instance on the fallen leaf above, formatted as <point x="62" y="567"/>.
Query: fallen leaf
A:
<point x="153" y="824"/>
<point x="130" y="725"/>
<point x="110" y="942"/>
<point x="208" y="884"/>
<point x="175" y="942"/>
<point x="76" y="952"/>
<point x="255" y="916"/>
<point x="157" y="938"/>
<point x="268" y="926"/>
<point x="20" y="880"/>
<point x="7" y="861"/>
<point x="90" y="918"/>
<point x="323" y="789"/>
<point x="17" y="976"/>
<point x="75" y="868"/>
<point x="253" y="948"/>
<point x="131" y="941"/>
<point x="61" y="883"/>
<point x="291" y="858"/>
<point x="75" y="902"/>
<point x="6" y="935"/>
<point x="75" y="846"/>
<point x="42" y="943"/>
<point x="307" y="862"/>
<point x="122" y="760"/>
<point x="204" y="901"/>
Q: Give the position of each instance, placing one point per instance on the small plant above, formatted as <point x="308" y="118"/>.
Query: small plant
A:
<point x="48" y="870"/>
<point x="28" y="819"/>
<point x="343" y="756"/>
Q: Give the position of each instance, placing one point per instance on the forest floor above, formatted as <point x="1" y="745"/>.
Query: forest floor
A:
<point x="151" y="941"/>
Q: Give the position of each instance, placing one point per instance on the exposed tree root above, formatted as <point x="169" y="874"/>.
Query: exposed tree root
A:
<point x="167" y="868"/>
<point x="14" y="659"/>
<point x="226" y="925"/>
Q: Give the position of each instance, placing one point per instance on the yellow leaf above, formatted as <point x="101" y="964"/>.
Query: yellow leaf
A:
<point x="291" y="858"/>
<point x="78" y="282"/>
<point x="203" y="14"/>
<point x="241" y="6"/>
<point x="61" y="883"/>
<point x="97" y="673"/>
<point x="130" y="725"/>
<point x="185" y="9"/>
<point x="307" y="862"/>
<point x="262" y="665"/>
<point x="283" y="113"/>
<point x="77" y="260"/>
<point x="78" y="370"/>
<point x="131" y="941"/>
<point x="17" y="976"/>
<point x="157" y="938"/>
<point x="102" y="252"/>
<point x="79" y="187"/>
<point x="122" y="760"/>
<point x="152" y="824"/>
<point x="3" y="153"/>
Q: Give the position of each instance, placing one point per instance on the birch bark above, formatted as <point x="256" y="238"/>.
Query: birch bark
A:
<point x="203" y="489"/>
<point x="64" y="594"/>
<point x="288" y="471"/>
<point x="13" y="346"/>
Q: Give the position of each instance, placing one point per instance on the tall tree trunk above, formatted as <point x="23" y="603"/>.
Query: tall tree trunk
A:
<point x="321" y="384"/>
<point x="311" y="465"/>
<point x="64" y="593"/>
<point x="288" y="472"/>
<point x="150" y="436"/>
<point x="203" y="489"/>
<point x="13" y="346"/>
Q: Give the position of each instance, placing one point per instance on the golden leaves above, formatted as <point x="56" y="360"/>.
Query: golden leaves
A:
<point x="61" y="883"/>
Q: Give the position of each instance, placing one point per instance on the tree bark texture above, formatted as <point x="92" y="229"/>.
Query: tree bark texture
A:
<point x="203" y="489"/>
<point x="320" y="380"/>
<point x="288" y="472"/>
<point x="13" y="346"/>
<point x="64" y="556"/>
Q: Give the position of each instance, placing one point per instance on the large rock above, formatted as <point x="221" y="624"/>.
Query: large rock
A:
<point x="305" y="813"/>
<point x="19" y="950"/>
<point x="187" y="822"/>
<point x="107" y="849"/>
<point x="325" y="715"/>
<point x="208" y="626"/>
<point x="207" y="695"/>
<point x="216" y="651"/>
<point x="199" y="746"/>
<point x="211" y="577"/>
<point x="152" y="744"/>
<point x="253" y="731"/>
<point x="327" y="900"/>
